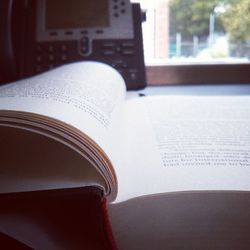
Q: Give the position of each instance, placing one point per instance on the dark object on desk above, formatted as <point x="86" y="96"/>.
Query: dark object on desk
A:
<point x="56" y="219"/>
<point x="7" y="242"/>
<point x="34" y="39"/>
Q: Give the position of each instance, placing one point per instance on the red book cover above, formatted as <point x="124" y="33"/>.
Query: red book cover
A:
<point x="73" y="218"/>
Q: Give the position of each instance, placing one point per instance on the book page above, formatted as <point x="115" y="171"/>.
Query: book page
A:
<point x="78" y="102"/>
<point x="74" y="94"/>
<point x="184" y="144"/>
<point x="31" y="161"/>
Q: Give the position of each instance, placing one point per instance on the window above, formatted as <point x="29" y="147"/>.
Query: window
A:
<point x="197" y="41"/>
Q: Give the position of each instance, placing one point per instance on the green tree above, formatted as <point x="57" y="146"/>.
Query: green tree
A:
<point x="191" y="17"/>
<point x="236" y="20"/>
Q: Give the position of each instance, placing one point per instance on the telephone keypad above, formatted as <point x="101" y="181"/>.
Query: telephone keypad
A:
<point x="38" y="69"/>
<point x="124" y="48"/>
<point x="64" y="57"/>
<point x="119" y="54"/>
<point x="38" y="59"/>
<point x="38" y="48"/>
<point x="128" y="44"/>
<point x="49" y="56"/>
<point x="64" y="47"/>
<point x="109" y="52"/>
<point x="108" y="45"/>
<point x="127" y="52"/>
<point x="51" y="48"/>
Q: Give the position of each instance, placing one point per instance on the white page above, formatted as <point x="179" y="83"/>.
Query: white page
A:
<point x="184" y="144"/>
<point x="86" y="95"/>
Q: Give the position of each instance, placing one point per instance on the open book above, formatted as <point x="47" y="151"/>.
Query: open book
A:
<point x="75" y="126"/>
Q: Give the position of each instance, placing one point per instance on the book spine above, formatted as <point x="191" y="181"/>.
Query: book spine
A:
<point x="107" y="226"/>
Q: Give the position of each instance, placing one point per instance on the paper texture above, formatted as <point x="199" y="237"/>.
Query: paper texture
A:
<point x="139" y="146"/>
<point x="185" y="143"/>
<point x="74" y="104"/>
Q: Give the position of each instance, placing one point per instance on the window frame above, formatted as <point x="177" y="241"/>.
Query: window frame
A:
<point x="200" y="73"/>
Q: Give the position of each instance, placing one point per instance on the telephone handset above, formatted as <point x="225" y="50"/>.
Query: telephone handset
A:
<point x="7" y="60"/>
<point x="13" y="37"/>
<point x="36" y="36"/>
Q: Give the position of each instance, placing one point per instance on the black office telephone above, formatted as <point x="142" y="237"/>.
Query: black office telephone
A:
<point x="38" y="35"/>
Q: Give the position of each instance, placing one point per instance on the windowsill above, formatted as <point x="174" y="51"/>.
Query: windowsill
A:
<point x="196" y="90"/>
<point x="210" y="73"/>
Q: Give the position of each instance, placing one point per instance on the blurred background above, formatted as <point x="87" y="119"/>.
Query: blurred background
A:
<point x="191" y="31"/>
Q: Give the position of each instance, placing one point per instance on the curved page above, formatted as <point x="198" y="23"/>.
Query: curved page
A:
<point x="77" y="103"/>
